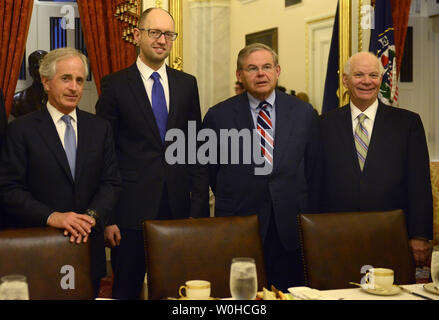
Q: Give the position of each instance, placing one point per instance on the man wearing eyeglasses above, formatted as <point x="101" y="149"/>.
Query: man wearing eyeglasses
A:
<point x="142" y="102"/>
<point x="288" y="140"/>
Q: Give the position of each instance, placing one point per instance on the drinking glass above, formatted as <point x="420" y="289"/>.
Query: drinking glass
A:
<point x="243" y="279"/>
<point x="14" y="287"/>
<point x="435" y="266"/>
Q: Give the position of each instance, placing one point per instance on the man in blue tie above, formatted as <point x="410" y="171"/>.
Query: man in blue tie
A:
<point x="142" y="102"/>
<point x="288" y="141"/>
<point x="58" y="164"/>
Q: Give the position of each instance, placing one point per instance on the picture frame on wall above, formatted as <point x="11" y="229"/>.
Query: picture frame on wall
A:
<point x="268" y="37"/>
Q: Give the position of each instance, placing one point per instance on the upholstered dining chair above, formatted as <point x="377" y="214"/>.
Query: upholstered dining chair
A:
<point x="434" y="173"/>
<point x="338" y="247"/>
<point x="202" y="248"/>
<point x="55" y="268"/>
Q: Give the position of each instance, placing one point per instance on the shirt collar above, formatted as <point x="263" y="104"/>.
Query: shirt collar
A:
<point x="254" y="103"/>
<point x="370" y="112"/>
<point x="146" y="71"/>
<point x="56" y="114"/>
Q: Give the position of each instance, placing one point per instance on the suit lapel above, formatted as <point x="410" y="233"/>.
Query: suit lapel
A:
<point x="378" y="134"/>
<point x="344" y="124"/>
<point x="242" y="114"/>
<point x="173" y="98"/>
<point x="50" y="135"/>
<point x="84" y="130"/>
<point x="139" y="92"/>
<point x="283" y="127"/>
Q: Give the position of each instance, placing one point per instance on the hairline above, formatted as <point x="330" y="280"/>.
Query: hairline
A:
<point x="249" y="49"/>
<point x="48" y="64"/>
<point x="347" y="66"/>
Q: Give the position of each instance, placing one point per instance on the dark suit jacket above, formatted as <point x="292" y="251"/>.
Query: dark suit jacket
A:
<point x="141" y="154"/>
<point x="291" y="188"/>
<point x="3" y="118"/>
<point x="396" y="173"/>
<point x="3" y="125"/>
<point x="35" y="178"/>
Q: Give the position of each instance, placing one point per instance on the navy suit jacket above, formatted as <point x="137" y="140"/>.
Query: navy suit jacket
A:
<point x="396" y="173"/>
<point x="292" y="186"/>
<point x="35" y="177"/>
<point x="141" y="153"/>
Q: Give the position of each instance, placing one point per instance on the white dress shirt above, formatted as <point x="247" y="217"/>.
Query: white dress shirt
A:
<point x="146" y="73"/>
<point x="60" y="124"/>
<point x="370" y="112"/>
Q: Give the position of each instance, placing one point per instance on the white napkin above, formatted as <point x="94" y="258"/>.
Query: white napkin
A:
<point x="306" y="293"/>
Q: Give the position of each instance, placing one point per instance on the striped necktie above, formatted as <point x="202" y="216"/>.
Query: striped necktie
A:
<point x="361" y="140"/>
<point x="265" y="130"/>
<point x="70" y="143"/>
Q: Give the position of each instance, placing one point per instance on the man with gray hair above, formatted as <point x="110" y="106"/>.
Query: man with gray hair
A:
<point x="288" y="141"/>
<point x="58" y="165"/>
<point x="375" y="156"/>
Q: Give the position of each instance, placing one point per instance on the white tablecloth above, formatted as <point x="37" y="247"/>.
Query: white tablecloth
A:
<point x="360" y="294"/>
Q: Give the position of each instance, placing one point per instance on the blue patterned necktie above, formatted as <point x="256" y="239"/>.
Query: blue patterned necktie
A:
<point x="70" y="143"/>
<point x="158" y="102"/>
<point x="265" y="130"/>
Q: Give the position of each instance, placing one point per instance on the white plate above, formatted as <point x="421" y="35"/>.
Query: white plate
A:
<point x="186" y="298"/>
<point x="382" y="291"/>
<point x="431" y="288"/>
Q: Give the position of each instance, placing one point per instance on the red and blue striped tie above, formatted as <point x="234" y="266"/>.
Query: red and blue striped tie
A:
<point x="265" y="130"/>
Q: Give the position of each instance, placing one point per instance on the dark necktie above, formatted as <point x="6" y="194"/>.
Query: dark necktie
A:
<point x="158" y="102"/>
<point x="70" y="143"/>
<point x="265" y="130"/>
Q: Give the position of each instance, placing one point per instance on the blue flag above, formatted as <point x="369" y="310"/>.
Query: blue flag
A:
<point x="383" y="45"/>
<point x="330" y="98"/>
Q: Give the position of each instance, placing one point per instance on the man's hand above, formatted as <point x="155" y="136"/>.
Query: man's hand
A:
<point x="77" y="225"/>
<point x="421" y="251"/>
<point x="112" y="236"/>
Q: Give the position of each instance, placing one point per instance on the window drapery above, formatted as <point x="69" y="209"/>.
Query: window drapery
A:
<point x="15" y="16"/>
<point x="400" y="17"/>
<point x="106" y="49"/>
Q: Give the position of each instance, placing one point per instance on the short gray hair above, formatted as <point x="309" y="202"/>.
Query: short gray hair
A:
<point x="48" y="63"/>
<point x="246" y="51"/>
<point x="347" y="66"/>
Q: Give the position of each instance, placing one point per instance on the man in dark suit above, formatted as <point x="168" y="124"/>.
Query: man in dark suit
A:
<point x="3" y="118"/>
<point x="287" y="183"/>
<point x="3" y="125"/>
<point x="376" y="156"/>
<point x="58" y="165"/>
<point x="142" y="102"/>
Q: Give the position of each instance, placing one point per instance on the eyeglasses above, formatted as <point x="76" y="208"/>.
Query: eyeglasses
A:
<point x="255" y="69"/>
<point x="155" y="34"/>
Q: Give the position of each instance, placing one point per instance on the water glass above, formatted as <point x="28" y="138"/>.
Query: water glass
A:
<point x="243" y="279"/>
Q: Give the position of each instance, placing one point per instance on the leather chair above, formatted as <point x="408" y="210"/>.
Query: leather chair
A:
<point x="434" y="173"/>
<point x="337" y="246"/>
<point x="39" y="254"/>
<point x="203" y="248"/>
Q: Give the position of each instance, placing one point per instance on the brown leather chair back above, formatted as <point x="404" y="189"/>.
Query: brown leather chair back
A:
<point x="434" y="174"/>
<point x="39" y="254"/>
<point x="203" y="248"/>
<point x="336" y="246"/>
